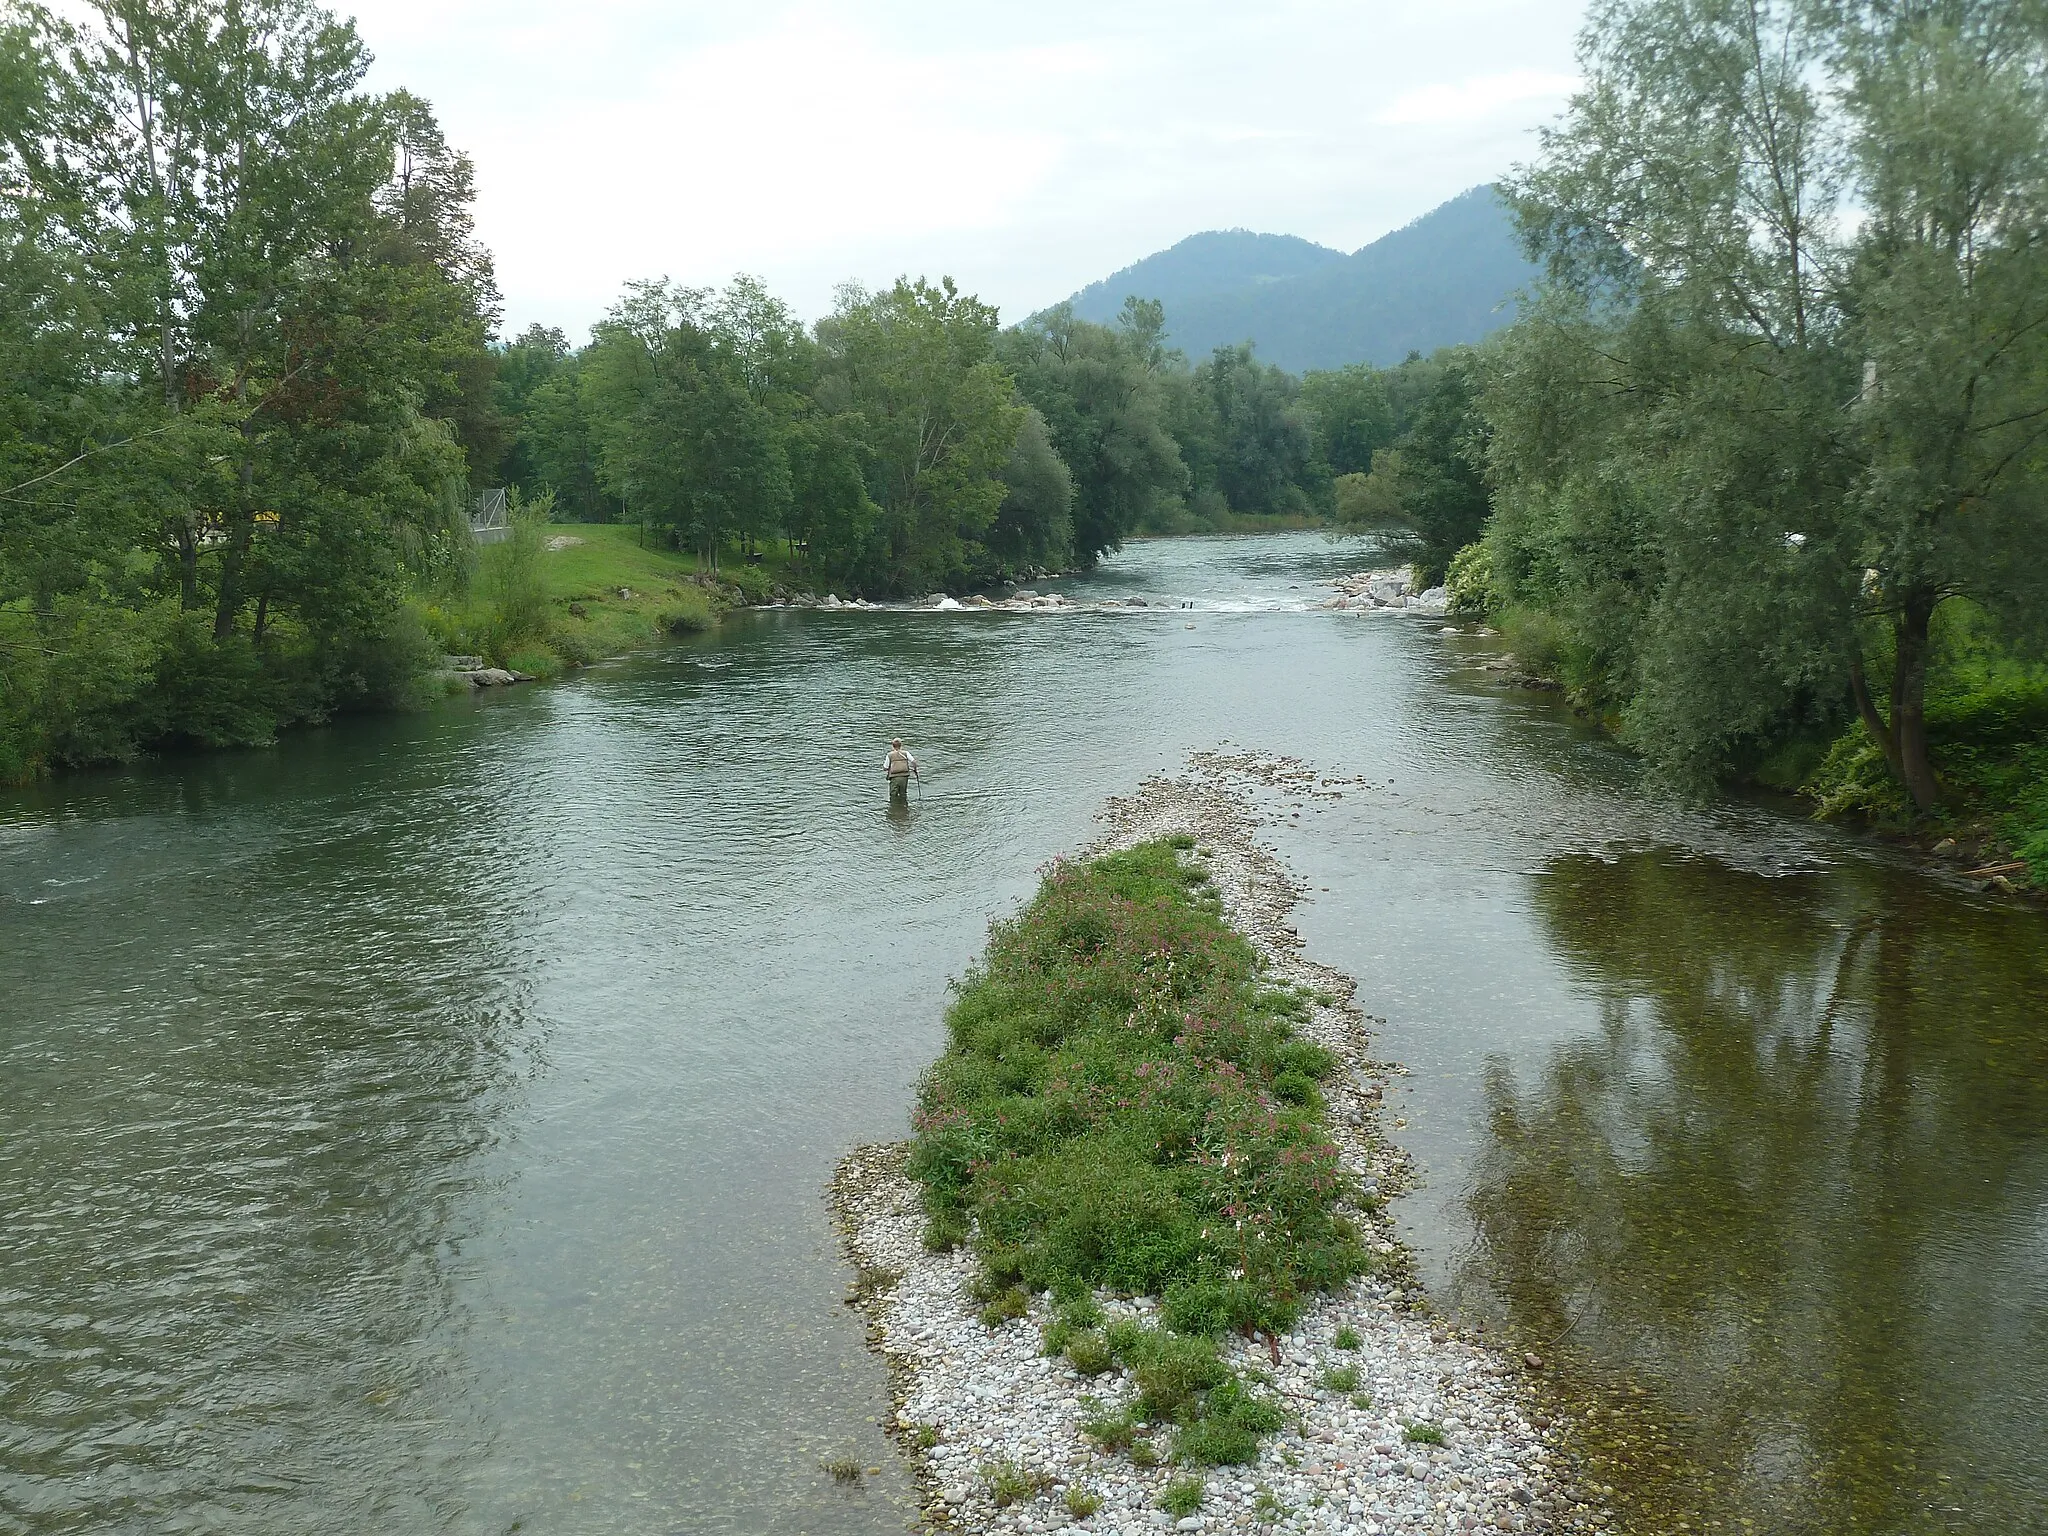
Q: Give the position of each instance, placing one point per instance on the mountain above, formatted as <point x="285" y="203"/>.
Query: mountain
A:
<point x="1449" y="277"/>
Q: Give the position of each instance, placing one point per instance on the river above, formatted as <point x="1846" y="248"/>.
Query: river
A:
<point x="423" y="1125"/>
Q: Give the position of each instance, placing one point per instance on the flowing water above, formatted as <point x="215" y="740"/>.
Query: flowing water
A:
<point x="423" y="1126"/>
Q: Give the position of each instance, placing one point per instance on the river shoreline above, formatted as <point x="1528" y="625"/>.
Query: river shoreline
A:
<point x="968" y="1400"/>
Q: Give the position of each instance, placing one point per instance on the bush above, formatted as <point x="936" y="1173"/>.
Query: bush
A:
<point x="1010" y="1484"/>
<point x="1183" y="1496"/>
<point x="1089" y="1353"/>
<point x="1469" y="584"/>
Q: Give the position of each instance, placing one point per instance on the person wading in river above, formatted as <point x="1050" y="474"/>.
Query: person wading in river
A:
<point x="899" y="766"/>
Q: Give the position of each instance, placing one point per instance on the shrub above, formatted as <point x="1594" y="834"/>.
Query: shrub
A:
<point x="1343" y="1378"/>
<point x="1010" y="1484"/>
<point x="843" y="1469"/>
<point x="1469" y="584"/>
<point x="1082" y="1504"/>
<point x="1227" y="1431"/>
<point x="1113" y="1430"/>
<point x="1347" y="1338"/>
<point x="1012" y="1303"/>
<point x="1183" y="1496"/>
<point x="1422" y="1432"/>
<point x="1089" y="1353"/>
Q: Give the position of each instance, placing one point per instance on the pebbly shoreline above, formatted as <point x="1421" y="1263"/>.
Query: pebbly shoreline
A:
<point x="992" y="1426"/>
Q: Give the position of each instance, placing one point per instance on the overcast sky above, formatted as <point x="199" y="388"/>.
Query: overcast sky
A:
<point x="1026" y="149"/>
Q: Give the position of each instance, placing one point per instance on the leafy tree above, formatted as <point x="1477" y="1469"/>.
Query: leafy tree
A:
<point x="1352" y="414"/>
<point x="1099" y="392"/>
<point x="1430" y="488"/>
<point x="940" y="419"/>
<point x="1750" y="445"/>
<point x="1255" y="451"/>
<point x="223" y="470"/>
<point x="1034" y="525"/>
<point x="684" y="442"/>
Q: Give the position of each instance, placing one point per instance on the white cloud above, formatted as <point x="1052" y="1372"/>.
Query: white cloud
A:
<point x="1479" y="96"/>
<point x="1024" y="150"/>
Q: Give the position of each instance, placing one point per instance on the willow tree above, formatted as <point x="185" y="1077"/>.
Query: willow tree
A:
<point x="1785" y="392"/>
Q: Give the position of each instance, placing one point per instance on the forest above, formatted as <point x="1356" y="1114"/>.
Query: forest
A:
<point x="1757" y="475"/>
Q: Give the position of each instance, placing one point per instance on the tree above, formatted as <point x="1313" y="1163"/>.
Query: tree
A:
<point x="220" y="376"/>
<point x="1431" y="486"/>
<point x="1352" y="416"/>
<point x="939" y="418"/>
<point x="1784" y="437"/>
<point x="1099" y="392"/>
<point x="1259" y="456"/>
<point x="683" y="441"/>
<point x="1034" y="525"/>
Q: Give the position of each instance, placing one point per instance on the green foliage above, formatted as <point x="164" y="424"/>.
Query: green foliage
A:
<point x="841" y="1469"/>
<point x="1746" y="448"/>
<point x="1183" y="1496"/>
<point x="1341" y="1379"/>
<point x="1246" y="440"/>
<point x="1081" y="1503"/>
<point x="1089" y="1353"/>
<point x="1346" y="1338"/>
<point x="1012" y="1302"/>
<point x="1427" y="484"/>
<point x="939" y="421"/>
<point x="242" y="377"/>
<point x="1107" y="1110"/>
<point x="1010" y="1484"/>
<point x="1101" y="393"/>
<point x="1125" y="1104"/>
<point x="1422" y="1432"/>
<point x="1469" y="583"/>
<point x="1113" y="1430"/>
<point x="1353" y="416"/>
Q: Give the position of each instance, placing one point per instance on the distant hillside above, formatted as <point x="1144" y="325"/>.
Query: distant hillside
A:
<point x="1444" y="279"/>
<point x="1209" y="265"/>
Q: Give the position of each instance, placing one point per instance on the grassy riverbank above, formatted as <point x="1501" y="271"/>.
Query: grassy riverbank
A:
<point x="1125" y="1105"/>
<point x="561" y="595"/>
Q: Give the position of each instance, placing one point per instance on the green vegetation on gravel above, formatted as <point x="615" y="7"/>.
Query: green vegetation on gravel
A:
<point x="1125" y="1104"/>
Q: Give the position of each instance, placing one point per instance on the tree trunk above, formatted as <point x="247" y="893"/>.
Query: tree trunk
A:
<point x="188" y="565"/>
<point x="1909" y="699"/>
<point x="1873" y="723"/>
<point x="1903" y="737"/>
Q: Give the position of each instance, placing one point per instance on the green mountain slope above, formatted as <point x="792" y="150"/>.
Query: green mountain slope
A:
<point x="1449" y="277"/>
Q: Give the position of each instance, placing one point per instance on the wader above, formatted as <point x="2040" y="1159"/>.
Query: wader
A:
<point x="899" y="767"/>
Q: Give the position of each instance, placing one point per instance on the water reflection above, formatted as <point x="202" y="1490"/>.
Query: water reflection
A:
<point x="1796" y="1182"/>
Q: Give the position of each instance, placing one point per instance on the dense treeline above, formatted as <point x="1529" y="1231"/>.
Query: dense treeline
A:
<point x="905" y="441"/>
<point x="1769" y="456"/>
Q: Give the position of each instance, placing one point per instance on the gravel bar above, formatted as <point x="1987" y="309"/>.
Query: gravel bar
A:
<point x="969" y="1399"/>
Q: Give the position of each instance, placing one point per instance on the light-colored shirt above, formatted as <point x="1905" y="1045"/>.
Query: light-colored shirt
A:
<point x="899" y="762"/>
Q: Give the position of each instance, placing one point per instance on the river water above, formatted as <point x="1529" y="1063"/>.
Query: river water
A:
<point x="423" y="1125"/>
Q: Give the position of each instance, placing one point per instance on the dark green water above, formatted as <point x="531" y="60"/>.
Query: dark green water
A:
<point x="423" y="1126"/>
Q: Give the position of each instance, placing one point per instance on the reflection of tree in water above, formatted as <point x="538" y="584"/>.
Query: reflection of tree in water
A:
<point x="1797" y="1181"/>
